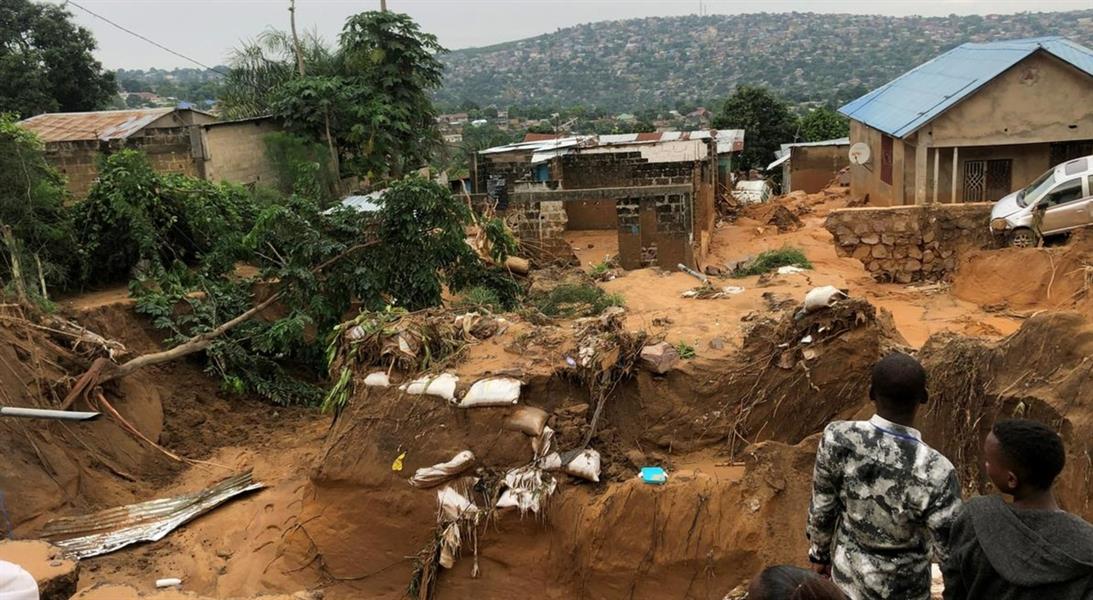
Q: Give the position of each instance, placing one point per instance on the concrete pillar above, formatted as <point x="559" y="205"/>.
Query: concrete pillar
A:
<point x="937" y="172"/>
<point x="955" y="175"/>
<point x="899" y="172"/>
<point x="921" y="163"/>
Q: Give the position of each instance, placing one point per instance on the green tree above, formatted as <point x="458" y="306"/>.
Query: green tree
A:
<point x="765" y="119"/>
<point x="824" y="124"/>
<point x="32" y="210"/>
<point x="46" y="63"/>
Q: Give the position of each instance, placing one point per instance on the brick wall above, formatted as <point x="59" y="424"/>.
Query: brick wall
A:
<point x="910" y="243"/>
<point x="620" y="169"/>
<point x="236" y="152"/>
<point x="78" y="162"/>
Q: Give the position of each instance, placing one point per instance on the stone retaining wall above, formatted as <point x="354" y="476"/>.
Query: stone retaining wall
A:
<point x="910" y="243"/>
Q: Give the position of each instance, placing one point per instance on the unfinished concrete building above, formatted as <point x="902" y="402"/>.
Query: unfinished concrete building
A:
<point x="975" y="123"/>
<point x="176" y="140"/>
<point x="657" y="190"/>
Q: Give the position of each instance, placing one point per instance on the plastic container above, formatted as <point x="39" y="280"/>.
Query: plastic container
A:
<point x="654" y="475"/>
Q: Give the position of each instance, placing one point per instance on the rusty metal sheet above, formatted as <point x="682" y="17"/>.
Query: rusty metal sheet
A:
<point x="114" y="528"/>
<point x="103" y="125"/>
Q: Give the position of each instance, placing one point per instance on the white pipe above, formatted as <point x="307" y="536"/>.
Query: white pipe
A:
<point x="43" y="413"/>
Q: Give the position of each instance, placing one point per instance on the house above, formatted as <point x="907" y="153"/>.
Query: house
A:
<point x="176" y="140"/>
<point x="974" y="123"/>
<point x="810" y="166"/>
<point x="657" y="190"/>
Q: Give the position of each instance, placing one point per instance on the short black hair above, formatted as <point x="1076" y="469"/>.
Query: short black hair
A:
<point x="785" y="582"/>
<point x="899" y="381"/>
<point x="1034" y="450"/>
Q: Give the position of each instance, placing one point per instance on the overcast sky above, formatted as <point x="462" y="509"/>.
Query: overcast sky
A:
<point x="206" y="30"/>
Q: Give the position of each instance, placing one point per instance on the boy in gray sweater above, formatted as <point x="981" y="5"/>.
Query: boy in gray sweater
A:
<point x="1027" y="550"/>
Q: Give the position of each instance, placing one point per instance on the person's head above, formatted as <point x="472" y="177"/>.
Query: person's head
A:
<point x="792" y="583"/>
<point x="1023" y="455"/>
<point x="898" y="385"/>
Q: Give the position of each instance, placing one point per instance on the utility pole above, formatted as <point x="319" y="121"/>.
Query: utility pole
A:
<point x="295" y="39"/>
<point x="383" y="5"/>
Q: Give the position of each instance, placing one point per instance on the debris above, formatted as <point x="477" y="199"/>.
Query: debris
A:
<point x="427" y="477"/>
<point x="692" y="272"/>
<point x="807" y="339"/>
<point x="442" y="386"/>
<point x="518" y="265"/>
<point x="582" y="463"/>
<point x="543" y="444"/>
<point x="717" y="343"/>
<point x="168" y="582"/>
<point x="790" y="270"/>
<point x="494" y="391"/>
<point x="708" y="291"/>
<point x="528" y="488"/>
<point x="377" y="379"/>
<point x="654" y="475"/>
<point x="108" y="530"/>
<point x="455" y="505"/>
<point x="823" y="297"/>
<point x="659" y="358"/>
<point x="528" y="420"/>
<point x="713" y="271"/>
<point x="397" y="465"/>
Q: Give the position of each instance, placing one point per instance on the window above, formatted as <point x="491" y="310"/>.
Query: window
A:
<point x="987" y="180"/>
<point x="1068" y="191"/>
<point x="886" y="159"/>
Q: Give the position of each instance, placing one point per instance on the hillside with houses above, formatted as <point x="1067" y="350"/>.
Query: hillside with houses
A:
<point x="638" y="63"/>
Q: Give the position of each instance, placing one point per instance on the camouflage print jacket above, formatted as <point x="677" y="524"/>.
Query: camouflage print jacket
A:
<point x="880" y="498"/>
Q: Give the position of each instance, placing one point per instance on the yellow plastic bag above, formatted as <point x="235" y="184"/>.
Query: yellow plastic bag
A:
<point x="397" y="465"/>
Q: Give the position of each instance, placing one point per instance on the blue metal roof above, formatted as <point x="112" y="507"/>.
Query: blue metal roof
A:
<point x="908" y="102"/>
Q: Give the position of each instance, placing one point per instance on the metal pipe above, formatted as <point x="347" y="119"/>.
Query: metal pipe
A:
<point x="44" y="413"/>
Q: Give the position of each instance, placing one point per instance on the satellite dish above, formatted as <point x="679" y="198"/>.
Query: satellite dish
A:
<point x="859" y="153"/>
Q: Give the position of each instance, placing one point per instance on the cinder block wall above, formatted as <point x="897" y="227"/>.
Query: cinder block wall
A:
<point x="236" y="152"/>
<point x="910" y="243"/>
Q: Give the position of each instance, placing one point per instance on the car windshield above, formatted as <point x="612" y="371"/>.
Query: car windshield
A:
<point x="1036" y="188"/>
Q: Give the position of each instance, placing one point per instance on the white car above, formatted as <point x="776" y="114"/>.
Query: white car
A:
<point x="1057" y="201"/>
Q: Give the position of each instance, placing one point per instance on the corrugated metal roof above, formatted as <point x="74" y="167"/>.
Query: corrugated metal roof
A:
<point x="901" y="106"/>
<point x="728" y="140"/>
<point x="114" y="528"/>
<point x="102" y="125"/>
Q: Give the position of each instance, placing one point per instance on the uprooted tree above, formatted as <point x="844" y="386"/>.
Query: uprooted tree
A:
<point x="266" y="283"/>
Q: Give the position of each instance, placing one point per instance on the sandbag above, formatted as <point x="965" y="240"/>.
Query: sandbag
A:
<point x="454" y="505"/>
<point x="377" y="379"/>
<point x="528" y="487"/>
<point x="823" y="297"/>
<point x="450" y="542"/>
<point x="442" y="385"/>
<point x="427" y="477"/>
<point x="551" y="462"/>
<point x="582" y="463"/>
<point x="528" y="420"/>
<point x="494" y="391"/>
<point x="16" y="583"/>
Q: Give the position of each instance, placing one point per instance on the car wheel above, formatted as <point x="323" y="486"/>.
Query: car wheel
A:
<point x="1023" y="238"/>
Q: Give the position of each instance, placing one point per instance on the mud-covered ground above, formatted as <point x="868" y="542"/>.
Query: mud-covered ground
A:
<point x="735" y="428"/>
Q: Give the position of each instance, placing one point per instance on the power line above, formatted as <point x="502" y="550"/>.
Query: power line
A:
<point x="153" y="42"/>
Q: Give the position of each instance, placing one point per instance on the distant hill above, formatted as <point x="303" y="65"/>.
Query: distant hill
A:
<point x="643" y="63"/>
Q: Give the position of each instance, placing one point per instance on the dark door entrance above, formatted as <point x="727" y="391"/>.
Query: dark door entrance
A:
<point x="987" y="180"/>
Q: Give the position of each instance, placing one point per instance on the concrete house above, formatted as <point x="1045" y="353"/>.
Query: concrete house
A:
<point x="975" y="123"/>
<point x="176" y="140"/>
<point x="810" y="166"/>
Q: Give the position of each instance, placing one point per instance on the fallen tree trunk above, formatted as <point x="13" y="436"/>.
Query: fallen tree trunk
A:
<point x="103" y="370"/>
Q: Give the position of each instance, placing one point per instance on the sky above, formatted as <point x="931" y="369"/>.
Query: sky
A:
<point x="207" y="30"/>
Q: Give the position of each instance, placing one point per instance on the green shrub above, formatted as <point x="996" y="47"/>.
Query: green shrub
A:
<point x="772" y="259"/>
<point x="685" y="350"/>
<point x="576" y="300"/>
<point x="479" y="298"/>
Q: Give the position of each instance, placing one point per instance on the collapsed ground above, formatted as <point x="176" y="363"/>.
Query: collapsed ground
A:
<point x="734" y="427"/>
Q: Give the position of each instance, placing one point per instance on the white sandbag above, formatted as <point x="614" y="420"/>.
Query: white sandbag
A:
<point x="450" y="542"/>
<point x="551" y="462"/>
<point x="377" y="379"/>
<point x="528" y="420"/>
<point x="528" y="488"/>
<point x="442" y="385"/>
<point x="427" y="477"/>
<point x="584" y="464"/>
<point x="823" y="297"/>
<point x="454" y="505"/>
<point x="16" y="583"/>
<point x="494" y="391"/>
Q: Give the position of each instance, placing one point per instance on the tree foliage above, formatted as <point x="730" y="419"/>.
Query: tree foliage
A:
<point x="766" y="119"/>
<point x="369" y="97"/>
<point x="824" y="124"/>
<point x="32" y="199"/>
<point x="46" y="63"/>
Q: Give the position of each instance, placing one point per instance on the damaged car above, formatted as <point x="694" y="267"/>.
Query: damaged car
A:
<point x="1056" y="202"/>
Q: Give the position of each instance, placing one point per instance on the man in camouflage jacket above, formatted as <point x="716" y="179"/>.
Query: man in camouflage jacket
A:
<point x="880" y="496"/>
